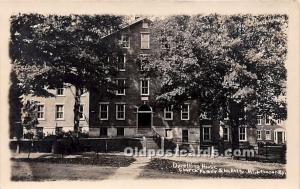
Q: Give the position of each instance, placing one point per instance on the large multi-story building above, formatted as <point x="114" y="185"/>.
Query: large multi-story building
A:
<point x="134" y="110"/>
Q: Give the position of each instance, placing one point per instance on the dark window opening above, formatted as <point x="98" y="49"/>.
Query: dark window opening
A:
<point x="120" y="131"/>
<point x="103" y="131"/>
<point x="185" y="135"/>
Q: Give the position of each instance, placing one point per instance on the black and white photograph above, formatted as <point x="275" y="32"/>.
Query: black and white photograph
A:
<point x="96" y="97"/>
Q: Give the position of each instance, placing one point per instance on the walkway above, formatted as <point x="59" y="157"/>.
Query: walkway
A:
<point x="132" y="171"/>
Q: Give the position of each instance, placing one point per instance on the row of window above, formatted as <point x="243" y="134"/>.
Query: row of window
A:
<point x="267" y="135"/>
<point x="61" y="92"/>
<point x="121" y="62"/>
<point x="145" y="40"/>
<point x="120" y="111"/>
<point x="104" y="109"/>
<point x="121" y="84"/>
<point x="59" y="111"/>
<point x="207" y="133"/>
<point x="267" y="120"/>
<point x="185" y="112"/>
<point x="144" y="86"/>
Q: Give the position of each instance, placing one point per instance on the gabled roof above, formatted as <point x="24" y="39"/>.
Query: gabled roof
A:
<point x="127" y="25"/>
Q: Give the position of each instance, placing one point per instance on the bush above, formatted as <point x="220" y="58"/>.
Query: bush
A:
<point x="28" y="135"/>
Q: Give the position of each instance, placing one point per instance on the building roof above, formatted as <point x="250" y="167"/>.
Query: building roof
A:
<point x="127" y="25"/>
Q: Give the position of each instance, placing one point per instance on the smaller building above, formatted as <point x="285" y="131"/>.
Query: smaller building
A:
<point x="270" y="130"/>
<point x="55" y="114"/>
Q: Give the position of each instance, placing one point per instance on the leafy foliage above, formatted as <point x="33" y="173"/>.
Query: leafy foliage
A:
<point x="233" y="65"/>
<point x="56" y="50"/>
<point x="30" y="119"/>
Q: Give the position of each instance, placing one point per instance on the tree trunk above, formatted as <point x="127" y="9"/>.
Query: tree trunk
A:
<point x="76" y="109"/>
<point x="234" y="115"/>
<point x="235" y="143"/>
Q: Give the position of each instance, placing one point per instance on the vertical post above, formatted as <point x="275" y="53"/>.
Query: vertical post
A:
<point x="212" y="152"/>
<point x="144" y="142"/>
<point x="105" y="145"/>
<point x="266" y="151"/>
<point x="18" y="148"/>
<point x="162" y="143"/>
<point x="177" y="149"/>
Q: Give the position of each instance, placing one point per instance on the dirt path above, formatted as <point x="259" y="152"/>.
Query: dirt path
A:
<point x="133" y="171"/>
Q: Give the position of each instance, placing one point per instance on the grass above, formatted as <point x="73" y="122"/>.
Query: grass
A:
<point x="85" y="167"/>
<point x="24" y="171"/>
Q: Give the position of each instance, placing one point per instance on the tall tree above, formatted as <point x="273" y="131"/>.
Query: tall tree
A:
<point x="29" y="121"/>
<point x="255" y="82"/>
<point x="234" y="65"/>
<point x="15" y="105"/>
<point x="64" y="50"/>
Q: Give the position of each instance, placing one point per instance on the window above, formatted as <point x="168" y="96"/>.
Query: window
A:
<point x="259" y="118"/>
<point x="169" y="133"/>
<point x="268" y="135"/>
<point x="120" y="111"/>
<point x="120" y="131"/>
<point x="144" y="62"/>
<point x="168" y="112"/>
<point x="145" y="87"/>
<point x="103" y="131"/>
<point x="125" y="41"/>
<point x="103" y="111"/>
<point x="145" y="25"/>
<point x="206" y="132"/>
<point x="278" y="121"/>
<point x="59" y="112"/>
<point x="39" y="132"/>
<point x="60" y="91"/>
<point x="258" y="134"/>
<point x="81" y="112"/>
<point x="268" y="121"/>
<point x="226" y="134"/>
<point x="204" y="115"/>
<point x="185" y="135"/>
<point x="58" y="130"/>
<point x="145" y="41"/>
<point x="242" y="134"/>
<point x="39" y="129"/>
<point x="121" y="62"/>
<point x="40" y="112"/>
<point x="185" y="112"/>
<point x="121" y="86"/>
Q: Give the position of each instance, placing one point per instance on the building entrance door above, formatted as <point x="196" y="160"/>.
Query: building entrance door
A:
<point x="144" y="117"/>
<point x="279" y="137"/>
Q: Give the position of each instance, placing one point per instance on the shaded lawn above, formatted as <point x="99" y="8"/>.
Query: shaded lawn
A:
<point x="30" y="171"/>
<point x="163" y="168"/>
<point x="86" y="167"/>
